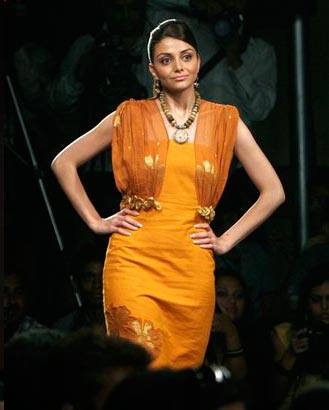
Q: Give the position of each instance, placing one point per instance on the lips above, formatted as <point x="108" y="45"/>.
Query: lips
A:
<point x="180" y="78"/>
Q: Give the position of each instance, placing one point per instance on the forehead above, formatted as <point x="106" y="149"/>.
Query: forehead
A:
<point x="171" y="45"/>
<point x="93" y="267"/>
<point x="322" y="289"/>
<point x="229" y="282"/>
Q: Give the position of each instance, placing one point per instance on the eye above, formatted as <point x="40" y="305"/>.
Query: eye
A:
<point x="240" y="296"/>
<point x="165" y="60"/>
<point x="222" y="294"/>
<point x="187" y="57"/>
<point x="315" y="298"/>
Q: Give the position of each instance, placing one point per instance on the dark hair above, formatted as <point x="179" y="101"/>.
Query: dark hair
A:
<point x="170" y="28"/>
<point x="313" y="397"/>
<point x="84" y="253"/>
<point x="316" y="276"/>
<point x="231" y="273"/>
<point x="86" y="361"/>
<point x="28" y="374"/>
<point x="184" y="389"/>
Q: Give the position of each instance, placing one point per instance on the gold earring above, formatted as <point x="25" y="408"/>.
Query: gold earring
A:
<point x="156" y="87"/>
<point x="196" y="83"/>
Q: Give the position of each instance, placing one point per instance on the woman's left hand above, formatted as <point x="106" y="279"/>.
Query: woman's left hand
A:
<point x="208" y="240"/>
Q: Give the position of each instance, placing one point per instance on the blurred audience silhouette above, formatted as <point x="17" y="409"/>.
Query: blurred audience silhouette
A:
<point x="241" y="342"/>
<point x="86" y="272"/>
<point x="301" y="343"/>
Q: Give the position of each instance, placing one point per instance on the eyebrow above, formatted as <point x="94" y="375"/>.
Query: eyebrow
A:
<point x="169" y="54"/>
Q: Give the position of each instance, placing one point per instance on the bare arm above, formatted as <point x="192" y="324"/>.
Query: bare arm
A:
<point x="65" y="167"/>
<point x="235" y="363"/>
<point x="271" y="195"/>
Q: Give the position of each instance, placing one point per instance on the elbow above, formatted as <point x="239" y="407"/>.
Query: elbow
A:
<point x="281" y="195"/>
<point x="278" y="196"/>
<point x="274" y="197"/>
<point x="57" y="164"/>
<point x="54" y="165"/>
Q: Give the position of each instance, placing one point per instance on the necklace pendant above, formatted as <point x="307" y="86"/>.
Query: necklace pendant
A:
<point x="181" y="136"/>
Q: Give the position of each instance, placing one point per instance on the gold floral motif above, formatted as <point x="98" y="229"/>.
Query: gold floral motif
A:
<point x="137" y="203"/>
<point x="122" y="324"/>
<point x="148" y="336"/>
<point x="117" y="120"/>
<point x="150" y="161"/>
<point x="118" y="320"/>
<point x="207" y="212"/>
<point x="207" y="167"/>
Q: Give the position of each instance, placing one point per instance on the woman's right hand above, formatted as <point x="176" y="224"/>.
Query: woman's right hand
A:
<point x="225" y="325"/>
<point x="300" y="341"/>
<point x="121" y="223"/>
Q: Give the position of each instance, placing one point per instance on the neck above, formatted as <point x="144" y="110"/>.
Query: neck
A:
<point x="182" y="101"/>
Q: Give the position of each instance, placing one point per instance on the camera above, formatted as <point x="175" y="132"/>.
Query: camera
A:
<point x="206" y="387"/>
<point x="316" y="358"/>
<point x="318" y="339"/>
<point x="226" y="23"/>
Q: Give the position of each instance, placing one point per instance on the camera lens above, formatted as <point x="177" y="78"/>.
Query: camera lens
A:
<point x="223" y="28"/>
<point x="226" y="23"/>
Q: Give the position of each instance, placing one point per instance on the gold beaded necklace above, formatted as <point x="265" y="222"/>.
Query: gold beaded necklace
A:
<point x="181" y="133"/>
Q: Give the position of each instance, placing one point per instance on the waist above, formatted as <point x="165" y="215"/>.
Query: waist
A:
<point x="175" y="203"/>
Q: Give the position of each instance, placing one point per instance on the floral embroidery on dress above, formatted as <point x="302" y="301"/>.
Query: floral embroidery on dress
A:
<point x="148" y="336"/>
<point x="117" y="120"/>
<point x="121" y="323"/>
<point x="119" y="320"/>
<point x="150" y="161"/>
<point x="207" y="212"/>
<point x="138" y="203"/>
<point x="207" y="167"/>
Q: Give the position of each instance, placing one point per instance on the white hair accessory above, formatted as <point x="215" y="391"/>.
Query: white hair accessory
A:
<point x="151" y="36"/>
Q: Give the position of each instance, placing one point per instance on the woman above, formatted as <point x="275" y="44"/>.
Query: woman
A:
<point x="171" y="157"/>
<point x="301" y="345"/>
<point x="239" y="341"/>
<point x="225" y="345"/>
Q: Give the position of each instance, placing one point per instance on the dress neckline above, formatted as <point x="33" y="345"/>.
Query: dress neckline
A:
<point x="163" y="125"/>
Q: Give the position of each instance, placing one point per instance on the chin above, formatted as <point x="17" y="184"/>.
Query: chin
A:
<point x="178" y="88"/>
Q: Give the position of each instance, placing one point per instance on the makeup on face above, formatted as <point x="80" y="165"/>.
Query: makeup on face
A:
<point x="237" y="295"/>
<point x="176" y="63"/>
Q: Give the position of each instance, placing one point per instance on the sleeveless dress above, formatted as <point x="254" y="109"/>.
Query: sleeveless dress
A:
<point x="158" y="285"/>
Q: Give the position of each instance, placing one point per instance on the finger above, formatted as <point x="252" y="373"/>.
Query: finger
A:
<point x="202" y="226"/>
<point x="202" y="241"/>
<point x="128" y="225"/>
<point x="199" y="235"/>
<point x="302" y="349"/>
<point x="207" y="246"/>
<point x="127" y="211"/>
<point x="133" y="221"/>
<point x="301" y="331"/>
<point x="123" y="232"/>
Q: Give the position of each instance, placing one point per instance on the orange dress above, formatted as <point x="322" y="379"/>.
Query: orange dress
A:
<point x="159" y="286"/>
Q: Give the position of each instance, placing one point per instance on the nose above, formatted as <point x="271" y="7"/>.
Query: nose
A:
<point x="231" y="300"/>
<point x="178" y="64"/>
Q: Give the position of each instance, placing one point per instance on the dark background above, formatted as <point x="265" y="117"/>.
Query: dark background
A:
<point x="29" y="234"/>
